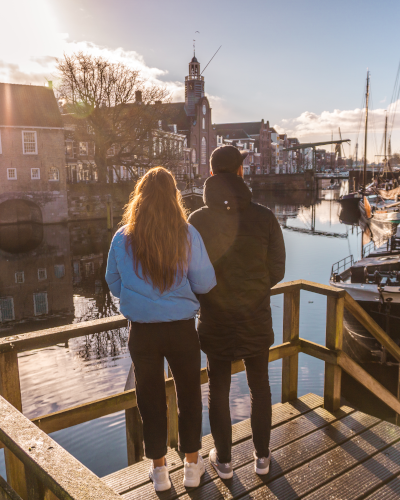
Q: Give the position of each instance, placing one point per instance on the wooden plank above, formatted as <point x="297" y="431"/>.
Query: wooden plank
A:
<point x="334" y="341"/>
<point x="290" y="364"/>
<point x="242" y="454"/>
<point x="133" y="425"/>
<point x="52" y="336"/>
<point x="288" y="286"/>
<point x="364" y="378"/>
<point x="136" y="475"/>
<point x="88" y="411"/>
<point x="172" y="416"/>
<point x="365" y="319"/>
<point x="318" y="351"/>
<point x="10" y="390"/>
<point x="284" y="460"/>
<point x="329" y="291"/>
<point x="57" y="470"/>
<point x="364" y="478"/>
<point x="6" y="492"/>
<point x="314" y="477"/>
<point x="389" y="491"/>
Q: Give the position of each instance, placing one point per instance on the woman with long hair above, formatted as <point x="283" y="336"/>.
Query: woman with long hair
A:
<point x="156" y="264"/>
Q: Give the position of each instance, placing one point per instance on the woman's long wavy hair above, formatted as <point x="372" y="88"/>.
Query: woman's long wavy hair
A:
<point x="157" y="231"/>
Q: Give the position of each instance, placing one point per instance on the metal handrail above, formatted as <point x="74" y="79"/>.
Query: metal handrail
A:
<point x="342" y="264"/>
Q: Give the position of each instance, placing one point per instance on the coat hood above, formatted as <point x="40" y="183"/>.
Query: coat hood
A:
<point x="226" y="192"/>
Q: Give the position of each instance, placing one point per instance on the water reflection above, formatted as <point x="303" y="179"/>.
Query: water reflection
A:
<point x="64" y="269"/>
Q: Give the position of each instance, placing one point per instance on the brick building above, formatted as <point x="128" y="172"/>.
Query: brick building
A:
<point x="193" y="120"/>
<point x="32" y="173"/>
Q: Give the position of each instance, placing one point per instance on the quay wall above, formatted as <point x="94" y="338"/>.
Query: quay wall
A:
<point x="89" y="201"/>
<point x="281" y="182"/>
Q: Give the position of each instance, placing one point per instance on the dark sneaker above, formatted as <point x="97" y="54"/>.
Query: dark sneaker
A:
<point x="224" y="471"/>
<point x="261" y="465"/>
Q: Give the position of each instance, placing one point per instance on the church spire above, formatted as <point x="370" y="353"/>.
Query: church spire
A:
<point x="194" y="85"/>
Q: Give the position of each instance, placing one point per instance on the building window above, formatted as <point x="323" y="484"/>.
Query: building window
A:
<point x="203" y="151"/>
<point x="59" y="270"/>
<point x="35" y="173"/>
<point x="42" y="274"/>
<point x="203" y="123"/>
<point x="54" y="174"/>
<point x="77" y="270"/>
<point x="83" y="148"/>
<point x="40" y="304"/>
<point x="19" y="277"/>
<point x="69" y="148"/>
<point x="194" y="156"/>
<point x="29" y="143"/>
<point x="6" y="309"/>
<point x="12" y="174"/>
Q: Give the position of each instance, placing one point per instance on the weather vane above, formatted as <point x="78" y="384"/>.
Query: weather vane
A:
<point x="194" y="44"/>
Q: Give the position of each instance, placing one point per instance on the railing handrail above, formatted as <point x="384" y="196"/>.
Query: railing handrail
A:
<point x="52" y="336"/>
<point x="333" y="355"/>
<point x="42" y="457"/>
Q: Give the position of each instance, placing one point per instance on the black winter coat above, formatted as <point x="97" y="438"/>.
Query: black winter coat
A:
<point x="245" y="244"/>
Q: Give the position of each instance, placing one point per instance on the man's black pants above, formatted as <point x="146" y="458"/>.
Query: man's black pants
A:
<point x="149" y="344"/>
<point x="219" y="380"/>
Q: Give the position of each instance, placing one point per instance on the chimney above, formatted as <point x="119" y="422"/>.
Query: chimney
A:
<point x="50" y="84"/>
<point x="158" y="103"/>
<point x="138" y="96"/>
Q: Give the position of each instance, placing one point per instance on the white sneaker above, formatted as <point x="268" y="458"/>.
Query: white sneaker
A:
<point x="193" y="473"/>
<point x="160" y="477"/>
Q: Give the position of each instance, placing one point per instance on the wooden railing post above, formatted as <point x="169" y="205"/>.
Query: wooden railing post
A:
<point x="334" y="340"/>
<point x="290" y="364"/>
<point x="11" y="391"/>
<point x="172" y="416"/>
<point x="134" y="426"/>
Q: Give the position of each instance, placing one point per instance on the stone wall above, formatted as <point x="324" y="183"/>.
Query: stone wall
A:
<point x="89" y="201"/>
<point x="282" y="182"/>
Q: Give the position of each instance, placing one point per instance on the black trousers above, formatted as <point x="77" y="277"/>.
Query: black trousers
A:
<point x="219" y="381"/>
<point x="149" y="344"/>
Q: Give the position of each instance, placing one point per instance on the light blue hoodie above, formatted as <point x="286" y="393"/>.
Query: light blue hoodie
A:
<point x="140" y="301"/>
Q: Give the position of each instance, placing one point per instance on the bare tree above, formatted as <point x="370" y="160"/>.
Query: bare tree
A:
<point x="119" y="105"/>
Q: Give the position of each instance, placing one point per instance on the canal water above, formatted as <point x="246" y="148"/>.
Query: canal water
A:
<point x="55" y="276"/>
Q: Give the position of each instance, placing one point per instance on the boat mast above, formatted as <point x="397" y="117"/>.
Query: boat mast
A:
<point x="366" y="132"/>
<point x="385" y="157"/>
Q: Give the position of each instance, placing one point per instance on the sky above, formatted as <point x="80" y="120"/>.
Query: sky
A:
<point x="300" y="64"/>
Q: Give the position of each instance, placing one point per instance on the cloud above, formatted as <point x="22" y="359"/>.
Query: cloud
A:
<point x="32" y="50"/>
<point x="349" y="121"/>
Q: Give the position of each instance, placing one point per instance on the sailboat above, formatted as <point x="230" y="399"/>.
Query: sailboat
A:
<point x="379" y="211"/>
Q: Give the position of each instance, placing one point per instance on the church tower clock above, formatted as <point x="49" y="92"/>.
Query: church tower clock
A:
<point x="194" y="87"/>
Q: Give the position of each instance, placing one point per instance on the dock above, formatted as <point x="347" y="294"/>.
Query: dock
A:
<point x="316" y="454"/>
<point x="321" y="449"/>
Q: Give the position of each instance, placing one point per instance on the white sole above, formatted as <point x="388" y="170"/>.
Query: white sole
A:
<point x="222" y="475"/>
<point x="262" y="472"/>
<point x="192" y="483"/>
<point x="162" y="486"/>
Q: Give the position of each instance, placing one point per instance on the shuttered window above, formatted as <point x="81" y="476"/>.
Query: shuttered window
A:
<point x="6" y="309"/>
<point x="40" y="303"/>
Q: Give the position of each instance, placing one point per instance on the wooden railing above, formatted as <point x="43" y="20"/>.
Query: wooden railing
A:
<point x="37" y="470"/>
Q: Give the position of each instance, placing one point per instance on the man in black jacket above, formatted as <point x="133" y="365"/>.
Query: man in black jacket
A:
<point x="245" y="244"/>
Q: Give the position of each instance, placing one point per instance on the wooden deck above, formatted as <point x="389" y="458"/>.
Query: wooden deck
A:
<point x="316" y="454"/>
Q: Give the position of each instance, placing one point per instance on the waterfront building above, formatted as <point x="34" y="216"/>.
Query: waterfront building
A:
<point x="256" y="136"/>
<point x="32" y="173"/>
<point x="160" y="145"/>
